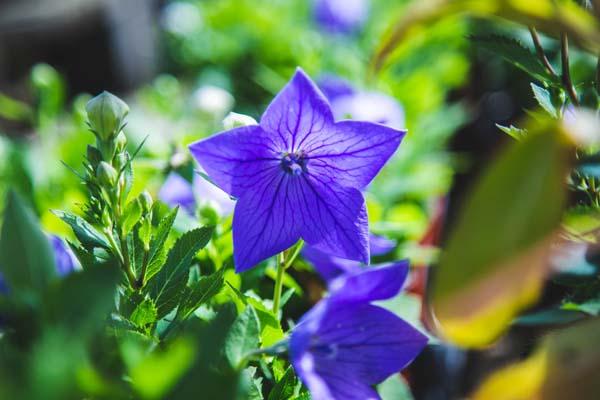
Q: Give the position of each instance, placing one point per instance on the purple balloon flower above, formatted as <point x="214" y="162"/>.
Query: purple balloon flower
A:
<point x="177" y="191"/>
<point x="344" y="345"/>
<point x="369" y="106"/>
<point x="63" y="256"/>
<point x="330" y="267"/>
<point x="341" y="16"/>
<point x="298" y="174"/>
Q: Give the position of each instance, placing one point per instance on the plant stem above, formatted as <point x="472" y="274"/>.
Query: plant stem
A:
<point x="566" y="74"/>
<point x="284" y="261"/>
<point x="119" y="253"/>
<point x="540" y="51"/>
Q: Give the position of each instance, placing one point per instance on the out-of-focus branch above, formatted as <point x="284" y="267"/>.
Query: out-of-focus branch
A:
<point x="540" y="50"/>
<point x="566" y="74"/>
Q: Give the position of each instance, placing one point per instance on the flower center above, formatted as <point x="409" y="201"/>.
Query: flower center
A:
<point x="294" y="163"/>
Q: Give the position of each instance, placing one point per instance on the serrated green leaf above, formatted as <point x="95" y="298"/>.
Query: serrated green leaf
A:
<point x="85" y="233"/>
<point x="287" y="388"/>
<point x="243" y="337"/>
<point x="167" y="286"/>
<point x="144" y="314"/>
<point x="26" y="258"/>
<point x="517" y="54"/>
<point x="270" y="328"/>
<point x="253" y="385"/>
<point x="200" y="292"/>
<point x="544" y="99"/>
<point x="131" y="216"/>
<point x="513" y="131"/>
<point x="158" y="252"/>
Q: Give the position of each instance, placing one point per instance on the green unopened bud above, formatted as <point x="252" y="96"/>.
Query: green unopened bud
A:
<point x="121" y="160"/>
<point x="235" y="120"/>
<point x="121" y="142"/>
<point x="106" y="174"/>
<point x="94" y="156"/>
<point x="106" y="113"/>
<point x="146" y="201"/>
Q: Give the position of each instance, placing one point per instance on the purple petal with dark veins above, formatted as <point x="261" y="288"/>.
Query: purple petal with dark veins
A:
<point x="370" y="284"/>
<point x="177" y="191"/>
<point x="238" y="159"/>
<point x="300" y="110"/>
<point x="353" y="152"/>
<point x="265" y="221"/>
<point x="341" y="349"/>
<point x="335" y="218"/>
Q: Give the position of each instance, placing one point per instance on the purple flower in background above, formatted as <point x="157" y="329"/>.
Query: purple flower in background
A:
<point x="177" y="191"/>
<point x="369" y="106"/>
<point x="330" y="267"/>
<point x="344" y="345"/>
<point x="298" y="174"/>
<point x="341" y="16"/>
<point x="63" y="256"/>
<point x="334" y="87"/>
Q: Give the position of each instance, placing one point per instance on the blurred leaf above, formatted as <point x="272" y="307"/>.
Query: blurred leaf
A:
<point x="254" y="391"/>
<point x="144" y="314"/>
<point x="270" y="328"/>
<point x="26" y="257"/>
<point x="243" y="337"/>
<point x="286" y="388"/>
<point x="565" y="366"/>
<point x="544" y="99"/>
<point x="131" y="216"/>
<point x="167" y="286"/>
<point x="502" y="232"/>
<point x="549" y="317"/>
<point x="513" y="51"/>
<point x="85" y="233"/>
<point x="394" y="388"/>
<point x="14" y="110"/>
<point x="591" y="306"/>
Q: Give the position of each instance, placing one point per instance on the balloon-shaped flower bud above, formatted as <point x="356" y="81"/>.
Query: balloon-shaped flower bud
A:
<point x="146" y="201"/>
<point x="121" y="142"/>
<point x="106" y="174"/>
<point x="235" y="120"/>
<point x="106" y="113"/>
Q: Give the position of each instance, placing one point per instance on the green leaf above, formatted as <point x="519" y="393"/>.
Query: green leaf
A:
<point x="253" y="385"/>
<point x="158" y="253"/>
<point x="26" y="257"/>
<point x="200" y="292"/>
<point x="270" y="328"/>
<point x="168" y="285"/>
<point x="513" y="131"/>
<point x="590" y="306"/>
<point x="85" y="233"/>
<point x="515" y="53"/>
<point x="81" y="301"/>
<point x="394" y="388"/>
<point x="544" y="99"/>
<point x="131" y="216"/>
<point x="144" y="314"/>
<point x="503" y="230"/>
<point x="242" y="337"/>
<point x="287" y="388"/>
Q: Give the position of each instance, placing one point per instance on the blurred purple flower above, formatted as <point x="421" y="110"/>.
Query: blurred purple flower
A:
<point x="330" y="267"/>
<point x="63" y="256"/>
<point x="344" y="345"/>
<point x="334" y="87"/>
<point x="341" y="16"/>
<point x="177" y="191"/>
<point x="298" y="174"/>
<point x="369" y="106"/>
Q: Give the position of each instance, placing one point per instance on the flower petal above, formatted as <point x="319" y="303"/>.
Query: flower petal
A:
<point x="207" y="192"/>
<point x="365" y="343"/>
<point x="354" y="152"/>
<point x="64" y="257"/>
<point x="177" y="191"/>
<point x="380" y="245"/>
<point x="238" y="159"/>
<point x="329" y="267"/>
<point x="264" y="222"/>
<point x="297" y="112"/>
<point x="370" y="284"/>
<point x="335" y="218"/>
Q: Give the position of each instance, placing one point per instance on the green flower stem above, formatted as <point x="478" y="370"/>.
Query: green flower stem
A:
<point x="284" y="261"/>
<point x="119" y="254"/>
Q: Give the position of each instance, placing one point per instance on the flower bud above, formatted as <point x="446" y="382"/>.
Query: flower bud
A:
<point x="94" y="156"/>
<point x="121" y="160"/>
<point x="235" y="120"/>
<point x="106" y="174"/>
<point x="121" y="142"/>
<point x="106" y="113"/>
<point x="146" y="201"/>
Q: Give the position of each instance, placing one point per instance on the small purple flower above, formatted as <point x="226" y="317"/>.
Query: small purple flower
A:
<point x="334" y="87"/>
<point x="330" y="267"/>
<point x="177" y="191"/>
<point x="341" y="16"/>
<point x="369" y="106"/>
<point x="63" y="256"/>
<point x="298" y="174"/>
<point x="344" y="345"/>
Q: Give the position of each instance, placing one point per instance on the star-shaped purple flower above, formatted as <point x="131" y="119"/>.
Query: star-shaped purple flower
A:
<point x="345" y="345"/>
<point x="298" y="174"/>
